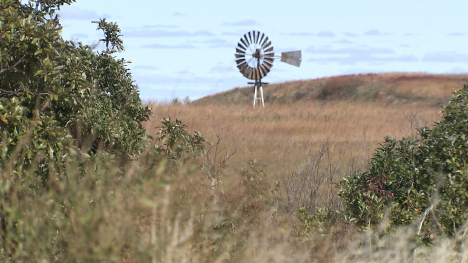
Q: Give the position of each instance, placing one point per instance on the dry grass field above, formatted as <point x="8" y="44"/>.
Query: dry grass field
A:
<point x="279" y="134"/>
<point x="353" y="113"/>
<point x="287" y="139"/>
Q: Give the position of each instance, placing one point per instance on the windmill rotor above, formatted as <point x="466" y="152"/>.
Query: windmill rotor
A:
<point x="255" y="56"/>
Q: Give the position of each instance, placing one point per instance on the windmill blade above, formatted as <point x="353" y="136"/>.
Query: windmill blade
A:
<point x="265" y="69"/>
<point x="254" y="39"/>
<point x="240" y="61"/>
<point x="259" y="73"/>
<point x="267" y="45"/>
<point x="267" y="64"/>
<point x="250" y="37"/>
<point x="245" y="71"/>
<point x="239" y="55"/>
<point x="241" y="47"/>
<point x="264" y="42"/>
<point x="270" y="55"/>
<point x="269" y="50"/>
<point x="250" y="73"/>
<point x="244" y="42"/>
<point x="240" y="51"/>
<point x="239" y="58"/>
<point x="241" y="66"/>
<point x="258" y="37"/>
<point x="261" y="39"/>
<point x="292" y="58"/>
<point x="268" y="59"/>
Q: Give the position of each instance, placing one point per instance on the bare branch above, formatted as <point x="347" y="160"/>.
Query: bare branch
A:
<point x="217" y="155"/>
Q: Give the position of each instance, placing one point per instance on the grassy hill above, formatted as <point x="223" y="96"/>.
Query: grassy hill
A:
<point x="389" y="88"/>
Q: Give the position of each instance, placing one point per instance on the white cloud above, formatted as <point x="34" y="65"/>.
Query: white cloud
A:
<point x="353" y="59"/>
<point x="456" y="34"/>
<point x="219" y="43"/>
<point x="232" y="34"/>
<point x="350" y="34"/>
<point x="160" y="26"/>
<point x="351" y="56"/>
<point x="375" y="32"/>
<point x="79" y="36"/>
<point x="159" y="46"/>
<point x="248" y="22"/>
<point x="349" y="51"/>
<point x="221" y="68"/>
<point x="145" y="67"/>
<point x="344" y="41"/>
<point x="167" y="33"/>
<point x="300" y="34"/>
<point x="445" y="57"/>
<point x="457" y="70"/>
<point x="320" y="34"/>
<point x="326" y="34"/>
<point x="71" y="12"/>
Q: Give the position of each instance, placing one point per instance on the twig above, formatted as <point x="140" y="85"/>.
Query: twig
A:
<point x="4" y="71"/>
<point x="424" y="217"/>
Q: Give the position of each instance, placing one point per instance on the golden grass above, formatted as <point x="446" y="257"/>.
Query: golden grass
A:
<point x="385" y="88"/>
<point x="282" y="137"/>
<point x="280" y="133"/>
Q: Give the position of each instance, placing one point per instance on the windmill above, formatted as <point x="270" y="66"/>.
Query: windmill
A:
<point x="254" y="58"/>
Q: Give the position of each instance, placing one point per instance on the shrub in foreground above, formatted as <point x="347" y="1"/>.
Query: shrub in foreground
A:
<point x="55" y="92"/>
<point x="421" y="181"/>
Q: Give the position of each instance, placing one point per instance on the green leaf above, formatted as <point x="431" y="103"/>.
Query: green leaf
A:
<point x="39" y="72"/>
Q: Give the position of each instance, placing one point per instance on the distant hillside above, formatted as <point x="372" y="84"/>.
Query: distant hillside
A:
<point x="394" y="88"/>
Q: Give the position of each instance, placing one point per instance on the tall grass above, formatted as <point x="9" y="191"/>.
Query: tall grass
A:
<point x="130" y="214"/>
<point x="103" y="211"/>
<point x="280" y="134"/>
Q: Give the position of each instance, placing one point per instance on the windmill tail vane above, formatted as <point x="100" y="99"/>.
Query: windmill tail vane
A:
<point x="292" y="58"/>
<point x="254" y="58"/>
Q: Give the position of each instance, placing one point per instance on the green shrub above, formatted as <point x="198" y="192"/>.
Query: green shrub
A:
<point x="55" y="92"/>
<point x="420" y="181"/>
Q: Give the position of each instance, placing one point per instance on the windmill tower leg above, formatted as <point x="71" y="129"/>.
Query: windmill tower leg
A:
<point x="261" y="94"/>
<point x="255" y="95"/>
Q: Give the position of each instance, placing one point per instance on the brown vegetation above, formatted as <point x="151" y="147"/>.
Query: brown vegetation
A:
<point x="386" y="88"/>
<point x="288" y="155"/>
<point x="279" y="134"/>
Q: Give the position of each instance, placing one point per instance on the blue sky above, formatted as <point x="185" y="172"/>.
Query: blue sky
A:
<point x="186" y="48"/>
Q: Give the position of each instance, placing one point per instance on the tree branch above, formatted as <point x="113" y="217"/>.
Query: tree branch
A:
<point x="4" y="71"/>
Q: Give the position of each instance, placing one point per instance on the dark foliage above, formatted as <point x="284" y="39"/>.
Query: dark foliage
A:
<point x="421" y="181"/>
<point x="56" y="93"/>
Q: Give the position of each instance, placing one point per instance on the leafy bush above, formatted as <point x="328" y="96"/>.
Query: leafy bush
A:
<point x="66" y="113"/>
<point x="421" y="181"/>
<point x="55" y="92"/>
<point x="173" y="142"/>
